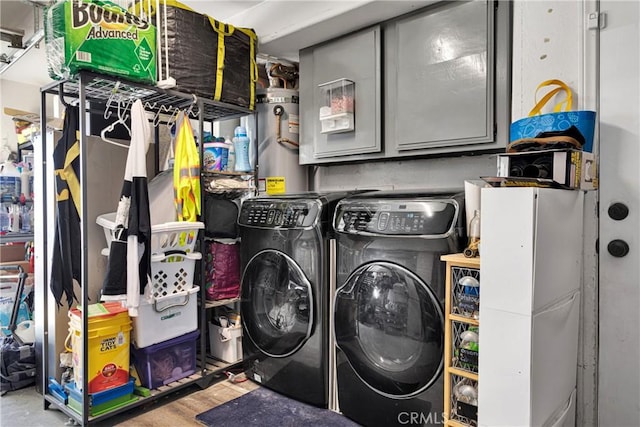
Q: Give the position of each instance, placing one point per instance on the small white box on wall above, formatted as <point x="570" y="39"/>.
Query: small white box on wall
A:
<point x="338" y="106"/>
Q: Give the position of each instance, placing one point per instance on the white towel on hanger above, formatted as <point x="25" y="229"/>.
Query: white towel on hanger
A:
<point x="131" y="247"/>
<point x="139" y="235"/>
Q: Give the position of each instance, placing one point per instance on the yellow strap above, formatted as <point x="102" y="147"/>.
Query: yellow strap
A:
<point x="72" y="180"/>
<point x="219" y="27"/>
<point x="68" y="175"/>
<point x="249" y="32"/>
<point x="254" y="74"/>
<point x="567" y="102"/>
<point x="221" y="52"/>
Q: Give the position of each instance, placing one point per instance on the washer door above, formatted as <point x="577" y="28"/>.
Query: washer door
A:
<point x="390" y="326"/>
<point x="277" y="303"/>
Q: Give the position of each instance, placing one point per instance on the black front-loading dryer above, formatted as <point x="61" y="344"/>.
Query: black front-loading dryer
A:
<point x="285" y="292"/>
<point x="388" y="310"/>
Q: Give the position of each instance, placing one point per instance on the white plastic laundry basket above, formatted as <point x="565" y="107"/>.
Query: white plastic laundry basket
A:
<point x="173" y="259"/>
<point x="172" y="273"/>
<point x="167" y="237"/>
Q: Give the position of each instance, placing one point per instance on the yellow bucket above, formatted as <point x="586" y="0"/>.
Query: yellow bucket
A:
<point x="108" y="339"/>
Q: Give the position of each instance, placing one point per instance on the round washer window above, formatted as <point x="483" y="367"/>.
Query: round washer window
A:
<point x="277" y="303"/>
<point x="390" y="326"/>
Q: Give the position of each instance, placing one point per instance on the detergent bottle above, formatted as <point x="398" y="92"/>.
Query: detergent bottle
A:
<point x="10" y="182"/>
<point x="231" y="160"/>
<point x="241" y="145"/>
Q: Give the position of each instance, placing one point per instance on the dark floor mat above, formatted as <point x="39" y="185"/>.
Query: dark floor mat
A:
<point x="263" y="407"/>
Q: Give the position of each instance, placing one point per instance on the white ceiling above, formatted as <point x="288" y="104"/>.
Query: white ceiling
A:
<point x="283" y="26"/>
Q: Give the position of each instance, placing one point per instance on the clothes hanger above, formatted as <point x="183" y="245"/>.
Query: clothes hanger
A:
<point x="194" y="101"/>
<point x="107" y="108"/>
<point x="122" y="119"/>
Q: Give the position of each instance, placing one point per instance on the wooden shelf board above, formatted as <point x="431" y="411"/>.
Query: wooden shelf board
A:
<point x="463" y="319"/>
<point x="462" y="373"/>
<point x="454" y="423"/>
<point x="211" y="304"/>
<point x="461" y="261"/>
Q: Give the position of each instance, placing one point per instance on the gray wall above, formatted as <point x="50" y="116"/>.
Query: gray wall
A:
<point x="436" y="173"/>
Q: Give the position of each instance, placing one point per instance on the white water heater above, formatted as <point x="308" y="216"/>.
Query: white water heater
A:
<point x="279" y="168"/>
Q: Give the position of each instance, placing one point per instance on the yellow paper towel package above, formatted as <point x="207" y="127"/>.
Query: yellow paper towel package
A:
<point x="99" y="36"/>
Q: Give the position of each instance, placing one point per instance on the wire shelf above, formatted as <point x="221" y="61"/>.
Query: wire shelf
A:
<point x="229" y="184"/>
<point x="100" y="88"/>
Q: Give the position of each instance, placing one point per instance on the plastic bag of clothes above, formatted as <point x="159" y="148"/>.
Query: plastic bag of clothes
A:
<point x="222" y="270"/>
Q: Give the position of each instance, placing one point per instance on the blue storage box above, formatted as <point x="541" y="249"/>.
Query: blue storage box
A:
<point x="166" y="362"/>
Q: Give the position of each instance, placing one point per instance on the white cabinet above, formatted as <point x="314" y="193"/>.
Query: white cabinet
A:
<point x="531" y="248"/>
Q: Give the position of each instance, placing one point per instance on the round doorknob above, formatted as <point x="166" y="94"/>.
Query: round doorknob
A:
<point x="618" y="248"/>
<point x="618" y="211"/>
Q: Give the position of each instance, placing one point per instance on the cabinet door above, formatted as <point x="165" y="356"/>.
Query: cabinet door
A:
<point x="355" y="57"/>
<point x="440" y="68"/>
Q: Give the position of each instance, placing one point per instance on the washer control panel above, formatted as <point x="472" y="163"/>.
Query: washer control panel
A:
<point x="271" y="213"/>
<point x="397" y="217"/>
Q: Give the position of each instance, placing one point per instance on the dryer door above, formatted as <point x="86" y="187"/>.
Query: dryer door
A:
<point x="390" y="326"/>
<point x="277" y="303"/>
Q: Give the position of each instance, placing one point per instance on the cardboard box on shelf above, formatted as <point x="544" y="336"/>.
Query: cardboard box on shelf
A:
<point x="24" y="264"/>
<point x="12" y="253"/>
<point x="26" y="116"/>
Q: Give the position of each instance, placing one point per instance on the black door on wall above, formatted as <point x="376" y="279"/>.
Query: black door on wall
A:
<point x="277" y="304"/>
<point x="390" y="326"/>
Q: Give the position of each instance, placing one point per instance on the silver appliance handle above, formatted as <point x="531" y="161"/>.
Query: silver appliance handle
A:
<point x="333" y="384"/>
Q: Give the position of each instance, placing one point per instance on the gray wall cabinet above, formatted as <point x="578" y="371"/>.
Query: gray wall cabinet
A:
<point x="445" y="85"/>
<point x="356" y="57"/>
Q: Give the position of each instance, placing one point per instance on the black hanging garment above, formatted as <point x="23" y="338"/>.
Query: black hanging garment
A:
<point x="65" y="266"/>
<point x="129" y="267"/>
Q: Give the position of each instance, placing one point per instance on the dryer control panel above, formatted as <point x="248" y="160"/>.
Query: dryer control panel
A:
<point x="270" y="213"/>
<point x="435" y="218"/>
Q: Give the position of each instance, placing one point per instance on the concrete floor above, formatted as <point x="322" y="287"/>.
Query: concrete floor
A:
<point x="25" y="407"/>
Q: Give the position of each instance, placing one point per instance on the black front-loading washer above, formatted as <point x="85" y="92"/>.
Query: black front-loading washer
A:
<point x="285" y="292"/>
<point x="388" y="314"/>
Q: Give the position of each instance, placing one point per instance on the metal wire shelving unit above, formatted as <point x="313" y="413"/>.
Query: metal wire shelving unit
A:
<point x="89" y="89"/>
